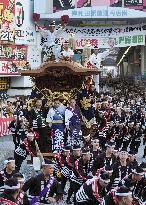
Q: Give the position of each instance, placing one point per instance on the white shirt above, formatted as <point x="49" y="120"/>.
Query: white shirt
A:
<point x="50" y="36"/>
<point x="52" y="112"/>
<point x="96" y="59"/>
<point x="50" y="115"/>
<point x="67" y="53"/>
<point x="68" y="115"/>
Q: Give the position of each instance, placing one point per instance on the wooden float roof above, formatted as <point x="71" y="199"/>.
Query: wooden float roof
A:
<point x="58" y="69"/>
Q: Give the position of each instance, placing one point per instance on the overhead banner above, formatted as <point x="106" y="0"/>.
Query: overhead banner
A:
<point x="105" y="42"/>
<point x="12" y="58"/>
<point x="97" y="12"/>
<point x="108" y="31"/>
<point x="122" y="41"/>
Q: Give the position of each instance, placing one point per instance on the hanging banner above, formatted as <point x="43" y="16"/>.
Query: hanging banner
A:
<point x="103" y="42"/>
<point x="12" y="58"/>
<point x="106" y="31"/>
<point x="4" y="126"/>
<point x="122" y="41"/>
<point x="25" y="28"/>
<point x="7" y="18"/>
<point x="34" y="56"/>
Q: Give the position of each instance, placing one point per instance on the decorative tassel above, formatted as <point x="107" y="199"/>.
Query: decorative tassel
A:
<point x="72" y="41"/>
<point x="86" y="52"/>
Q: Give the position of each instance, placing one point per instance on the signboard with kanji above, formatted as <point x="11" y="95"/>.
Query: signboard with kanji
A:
<point x="7" y="16"/>
<point x="107" y="42"/>
<point x="122" y="41"/>
<point x="16" y="24"/>
<point x="12" y="58"/>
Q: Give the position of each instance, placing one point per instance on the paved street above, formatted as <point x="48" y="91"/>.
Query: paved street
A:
<point x="7" y="148"/>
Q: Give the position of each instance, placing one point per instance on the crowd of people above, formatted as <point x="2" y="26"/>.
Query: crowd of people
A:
<point x="95" y="139"/>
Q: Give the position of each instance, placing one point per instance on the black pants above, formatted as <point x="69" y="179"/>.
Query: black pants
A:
<point x="102" y="142"/>
<point x="135" y="145"/>
<point x="144" y="152"/>
<point x="125" y="144"/>
<point x="90" y="202"/>
<point x="132" y="145"/>
<point x="71" y="190"/>
<point x="16" y="140"/>
<point x="144" y="143"/>
<point x="76" y="187"/>
<point x="119" y="142"/>
<point x="63" y="182"/>
<point x="43" y="139"/>
<point x="18" y="161"/>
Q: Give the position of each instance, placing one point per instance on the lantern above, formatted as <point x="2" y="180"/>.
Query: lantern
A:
<point x="65" y="19"/>
<point x="36" y="17"/>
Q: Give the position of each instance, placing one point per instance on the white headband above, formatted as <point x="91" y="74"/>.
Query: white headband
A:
<point x="30" y="135"/>
<point x="86" y="136"/>
<point x="123" y="194"/>
<point x="109" y="171"/>
<point x="106" y="181"/>
<point x="86" y="152"/>
<point x="7" y="161"/>
<point x="132" y="155"/>
<point x="11" y="187"/>
<point x="77" y="149"/>
<point x="45" y="164"/>
<point x="92" y="140"/>
<point x="21" y="180"/>
<point x="141" y="174"/>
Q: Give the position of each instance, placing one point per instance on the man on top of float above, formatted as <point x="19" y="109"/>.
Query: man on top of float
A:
<point x="50" y="33"/>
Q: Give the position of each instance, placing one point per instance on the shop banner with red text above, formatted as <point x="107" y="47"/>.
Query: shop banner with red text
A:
<point x="12" y="58"/>
<point x="4" y="126"/>
<point x="7" y="20"/>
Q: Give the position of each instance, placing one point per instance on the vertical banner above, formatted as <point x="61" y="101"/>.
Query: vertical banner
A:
<point x="4" y="126"/>
<point x="25" y="29"/>
<point x="7" y="20"/>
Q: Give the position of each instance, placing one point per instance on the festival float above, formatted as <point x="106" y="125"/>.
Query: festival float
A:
<point x="63" y="78"/>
